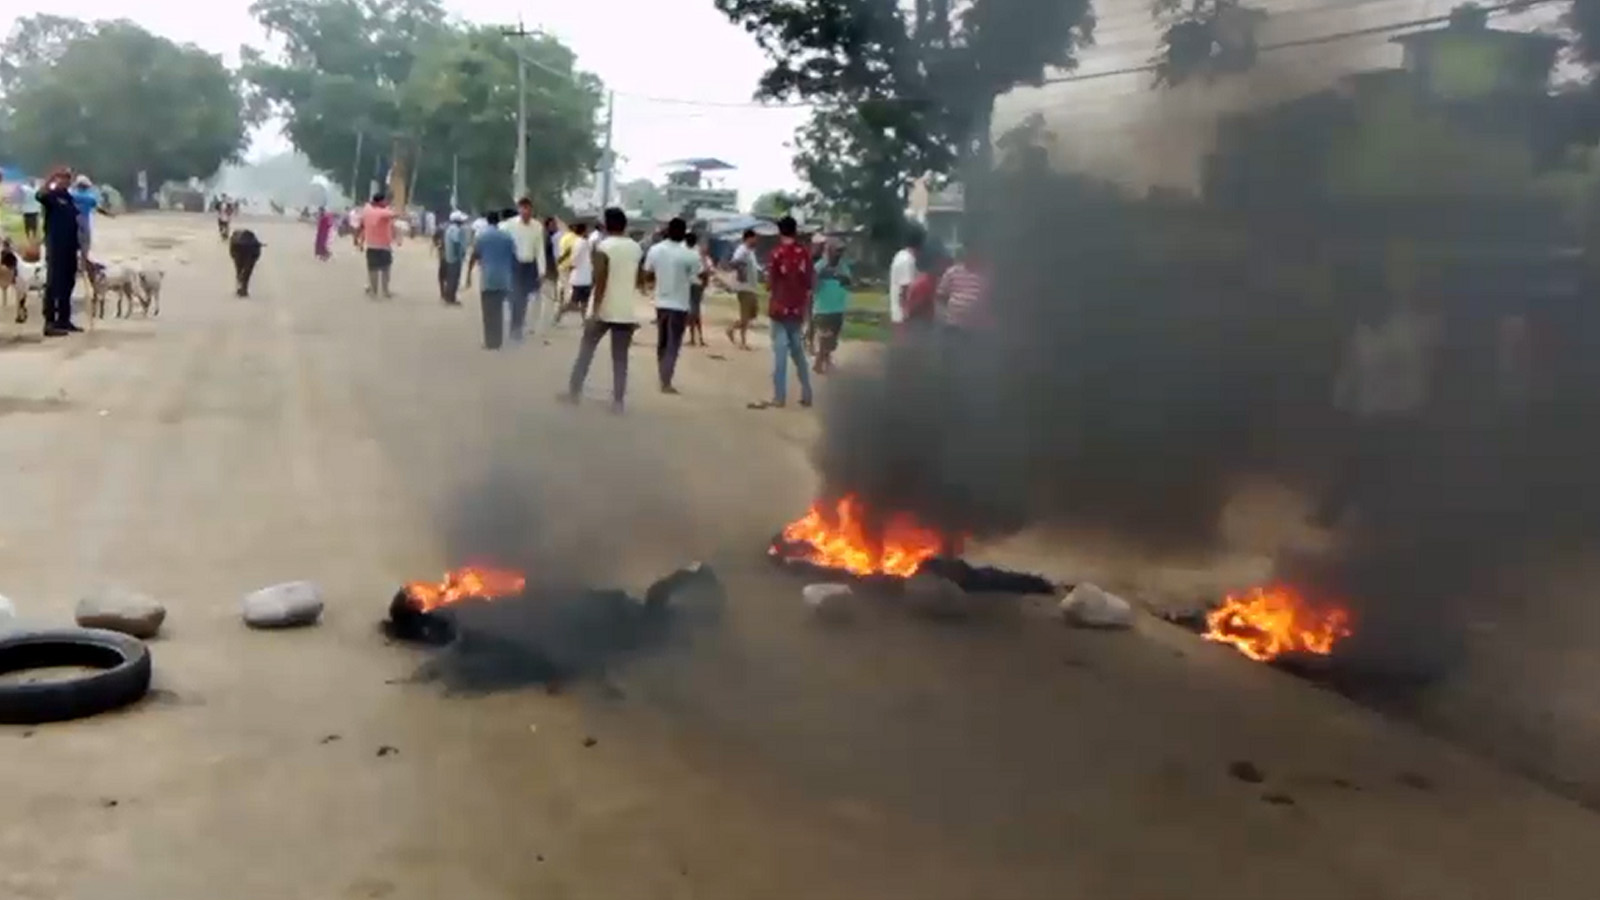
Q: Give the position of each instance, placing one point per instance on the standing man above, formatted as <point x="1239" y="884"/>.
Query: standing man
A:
<point x="87" y="199"/>
<point x="902" y="272"/>
<point x="581" y="279"/>
<point x="30" y="211"/>
<point x="528" y="234"/>
<point x="790" y="279"/>
<point x="63" y="244"/>
<point x="833" y="297"/>
<point x="963" y="291"/>
<point x="377" y="236"/>
<point x="673" y="266"/>
<point x="697" y="290"/>
<point x="496" y="251"/>
<point x="616" y="285"/>
<point x="452" y="253"/>
<point x="747" y="277"/>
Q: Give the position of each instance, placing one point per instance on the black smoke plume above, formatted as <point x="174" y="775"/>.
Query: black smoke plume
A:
<point x="1148" y="357"/>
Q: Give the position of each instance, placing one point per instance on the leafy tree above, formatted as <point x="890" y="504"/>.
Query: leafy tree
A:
<point x="898" y="94"/>
<point x="773" y="204"/>
<point x="35" y="42"/>
<point x="1204" y="38"/>
<point x="414" y="88"/>
<point x="71" y="100"/>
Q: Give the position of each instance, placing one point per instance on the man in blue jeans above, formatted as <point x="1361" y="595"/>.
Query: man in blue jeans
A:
<point x="791" y="277"/>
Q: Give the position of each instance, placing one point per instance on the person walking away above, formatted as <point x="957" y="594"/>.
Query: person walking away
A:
<point x="902" y="272"/>
<point x="791" y="277"/>
<point x="962" y="294"/>
<point x="324" y="231"/>
<point x="527" y="233"/>
<point x="452" y="253"/>
<point x="496" y="252"/>
<point x="224" y="217"/>
<point x="86" y="197"/>
<point x="673" y="266"/>
<point x="62" y="242"/>
<point x="697" y="290"/>
<point x="828" y="309"/>
<point x="616" y="286"/>
<point x="565" y="245"/>
<point x="30" y="212"/>
<point x="581" y="281"/>
<point x="376" y="234"/>
<point x="747" y="277"/>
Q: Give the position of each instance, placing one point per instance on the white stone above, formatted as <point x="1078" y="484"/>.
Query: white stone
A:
<point x="119" y="609"/>
<point x="1088" y="606"/>
<point x="830" y="602"/>
<point x="7" y="611"/>
<point x="288" y="605"/>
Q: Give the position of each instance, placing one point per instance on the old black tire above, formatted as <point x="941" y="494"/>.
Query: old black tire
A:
<point x="122" y="674"/>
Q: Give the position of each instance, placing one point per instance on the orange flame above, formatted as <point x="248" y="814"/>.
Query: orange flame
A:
<point x="1269" y="622"/>
<point x="467" y="582"/>
<point x="843" y="540"/>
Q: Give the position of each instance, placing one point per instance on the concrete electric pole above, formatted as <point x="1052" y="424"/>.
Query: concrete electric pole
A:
<point x="519" y="169"/>
<point x="607" y="161"/>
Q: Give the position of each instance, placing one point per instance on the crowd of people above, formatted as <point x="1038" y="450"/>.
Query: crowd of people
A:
<point x="524" y="264"/>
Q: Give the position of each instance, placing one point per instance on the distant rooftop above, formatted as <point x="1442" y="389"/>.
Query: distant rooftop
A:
<point x="699" y="164"/>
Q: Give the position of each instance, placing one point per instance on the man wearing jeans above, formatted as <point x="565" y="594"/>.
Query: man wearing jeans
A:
<point x="617" y="280"/>
<point x="673" y="266"/>
<point x="529" y="236"/>
<point x="496" y="252"/>
<point x="790" y="279"/>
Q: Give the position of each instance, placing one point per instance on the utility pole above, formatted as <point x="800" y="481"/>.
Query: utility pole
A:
<point x="519" y="172"/>
<point x="355" y="168"/>
<point x="455" y="181"/>
<point x="607" y="163"/>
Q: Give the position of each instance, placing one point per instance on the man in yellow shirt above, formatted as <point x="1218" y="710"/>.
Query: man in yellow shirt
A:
<point x="564" y="262"/>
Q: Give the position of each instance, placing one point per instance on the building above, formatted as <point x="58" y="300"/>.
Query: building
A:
<point x="692" y="185"/>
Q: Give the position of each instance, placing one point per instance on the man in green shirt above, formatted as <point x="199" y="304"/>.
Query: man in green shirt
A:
<point x="829" y="303"/>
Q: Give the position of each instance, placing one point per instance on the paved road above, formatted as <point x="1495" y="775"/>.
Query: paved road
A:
<point x="310" y="432"/>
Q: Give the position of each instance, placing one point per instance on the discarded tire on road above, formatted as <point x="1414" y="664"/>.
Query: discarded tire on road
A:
<point x="121" y="674"/>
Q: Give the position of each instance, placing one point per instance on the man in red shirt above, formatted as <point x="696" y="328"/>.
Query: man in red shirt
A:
<point x="791" y="277"/>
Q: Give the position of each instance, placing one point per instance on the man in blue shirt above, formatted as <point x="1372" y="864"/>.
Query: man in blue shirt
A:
<point x="87" y="199"/>
<point x="496" y="253"/>
<point x="452" y="253"/>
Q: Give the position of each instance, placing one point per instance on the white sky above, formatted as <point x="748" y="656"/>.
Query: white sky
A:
<point x="641" y="48"/>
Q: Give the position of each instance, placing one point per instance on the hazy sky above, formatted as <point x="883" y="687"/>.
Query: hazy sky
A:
<point x="643" y="49"/>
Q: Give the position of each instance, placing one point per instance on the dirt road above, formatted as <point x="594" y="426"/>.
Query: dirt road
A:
<point x="312" y="433"/>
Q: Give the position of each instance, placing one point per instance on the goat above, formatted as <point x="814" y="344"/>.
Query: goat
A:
<point x="151" y="275"/>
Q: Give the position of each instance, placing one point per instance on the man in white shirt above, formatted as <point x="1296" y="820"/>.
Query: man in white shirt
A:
<point x="617" y="282"/>
<point x="581" y="280"/>
<point x="747" y="274"/>
<point x="903" y="271"/>
<point x="529" y="235"/>
<point x="673" y="266"/>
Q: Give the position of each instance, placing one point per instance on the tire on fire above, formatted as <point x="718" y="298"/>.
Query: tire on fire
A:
<point x="120" y="674"/>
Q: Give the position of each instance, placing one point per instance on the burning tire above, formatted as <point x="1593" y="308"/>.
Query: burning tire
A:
<point x="121" y="674"/>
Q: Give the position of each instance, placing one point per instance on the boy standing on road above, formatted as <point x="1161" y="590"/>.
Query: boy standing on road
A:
<point x="377" y="236"/>
<point x="747" y="273"/>
<point x="617" y="281"/>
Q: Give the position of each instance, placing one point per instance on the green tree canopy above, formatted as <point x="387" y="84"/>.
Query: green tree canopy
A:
<point x="901" y="92"/>
<point x="424" y="91"/>
<point x="773" y="204"/>
<point x="69" y="99"/>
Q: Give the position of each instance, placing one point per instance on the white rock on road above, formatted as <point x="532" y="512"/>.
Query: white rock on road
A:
<point x="829" y="602"/>
<point x="288" y="605"/>
<point x="8" y="612"/>
<point x="1089" y="606"/>
<point x="120" y="609"/>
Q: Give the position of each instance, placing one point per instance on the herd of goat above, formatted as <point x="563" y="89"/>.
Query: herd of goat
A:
<point x="136" y="284"/>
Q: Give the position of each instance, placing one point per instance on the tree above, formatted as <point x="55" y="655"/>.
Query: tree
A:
<point x="1204" y="38"/>
<point x="71" y="100"/>
<point x="773" y="204"/>
<point x="411" y="88"/>
<point x="901" y="95"/>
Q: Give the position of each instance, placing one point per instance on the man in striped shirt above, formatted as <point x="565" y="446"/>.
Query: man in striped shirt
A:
<point x="963" y="292"/>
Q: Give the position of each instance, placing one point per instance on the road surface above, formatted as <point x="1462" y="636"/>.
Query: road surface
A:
<point x="309" y="432"/>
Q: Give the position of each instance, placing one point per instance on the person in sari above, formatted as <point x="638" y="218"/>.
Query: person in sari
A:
<point x="324" y="231"/>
